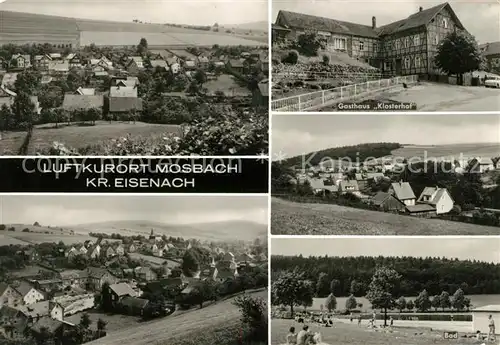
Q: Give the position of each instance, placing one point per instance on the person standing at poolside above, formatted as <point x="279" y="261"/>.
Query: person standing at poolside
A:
<point x="491" y="325"/>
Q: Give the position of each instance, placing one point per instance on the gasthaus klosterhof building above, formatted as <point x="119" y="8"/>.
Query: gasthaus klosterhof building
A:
<point x="480" y="318"/>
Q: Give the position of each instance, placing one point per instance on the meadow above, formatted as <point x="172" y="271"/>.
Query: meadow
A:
<point x="292" y="218"/>
<point x="79" y="137"/>
<point x="218" y="323"/>
<point x="350" y="334"/>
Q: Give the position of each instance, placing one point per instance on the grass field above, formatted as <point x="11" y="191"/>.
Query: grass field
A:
<point x="11" y="142"/>
<point x="202" y="327"/>
<point x="350" y="334"/>
<point x="476" y="301"/>
<point x="291" y="218"/>
<point x="78" y="137"/>
<point x="227" y="84"/>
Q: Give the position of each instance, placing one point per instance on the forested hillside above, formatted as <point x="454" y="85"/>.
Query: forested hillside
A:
<point x="353" y="274"/>
<point x="361" y="152"/>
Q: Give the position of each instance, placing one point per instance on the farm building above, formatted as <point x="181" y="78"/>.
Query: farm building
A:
<point x="123" y="105"/>
<point x="75" y="304"/>
<point x="403" y="192"/>
<point x="387" y="202"/>
<point x="480" y="318"/>
<point x="81" y="102"/>
<point x="491" y="52"/>
<point x="405" y="47"/>
<point x="261" y="94"/>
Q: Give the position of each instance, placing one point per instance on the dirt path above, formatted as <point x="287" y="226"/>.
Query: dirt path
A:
<point x="159" y="332"/>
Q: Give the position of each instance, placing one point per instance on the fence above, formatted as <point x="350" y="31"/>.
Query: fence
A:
<point x="320" y="76"/>
<point x="319" y="99"/>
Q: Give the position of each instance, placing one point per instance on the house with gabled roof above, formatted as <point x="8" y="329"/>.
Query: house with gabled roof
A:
<point x="387" y="202"/>
<point x="29" y="294"/>
<point x="439" y="198"/>
<point x="21" y="61"/>
<point x="403" y="192"/>
<point x="83" y="102"/>
<point x="9" y="296"/>
<point x="404" y="47"/>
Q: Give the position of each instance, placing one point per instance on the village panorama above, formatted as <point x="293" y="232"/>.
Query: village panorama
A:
<point x="379" y="175"/>
<point x="73" y="86"/>
<point x="383" y="290"/>
<point x="136" y="270"/>
<point x="428" y="56"/>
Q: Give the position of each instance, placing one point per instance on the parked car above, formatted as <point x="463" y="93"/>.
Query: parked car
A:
<point x="492" y="82"/>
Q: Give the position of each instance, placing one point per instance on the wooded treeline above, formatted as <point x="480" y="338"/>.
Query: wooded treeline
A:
<point x="352" y="275"/>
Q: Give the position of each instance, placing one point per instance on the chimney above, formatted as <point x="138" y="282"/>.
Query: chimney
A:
<point x="374" y="22"/>
<point x="420" y="9"/>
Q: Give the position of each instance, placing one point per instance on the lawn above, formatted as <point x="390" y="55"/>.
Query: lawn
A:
<point x="227" y="84"/>
<point x="292" y="218"/>
<point x="115" y="323"/>
<point x="81" y="136"/>
<point x="11" y="142"/>
<point x="350" y="334"/>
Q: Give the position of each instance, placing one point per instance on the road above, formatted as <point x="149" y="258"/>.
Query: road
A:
<point x="159" y="332"/>
<point x="444" y="97"/>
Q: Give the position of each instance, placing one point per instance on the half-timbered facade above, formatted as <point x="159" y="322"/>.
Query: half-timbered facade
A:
<point x="404" y="47"/>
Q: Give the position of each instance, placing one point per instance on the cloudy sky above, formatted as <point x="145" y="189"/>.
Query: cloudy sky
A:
<point x="297" y="134"/>
<point x="75" y="210"/>
<point x="388" y="11"/>
<point x="196" y="12"/>
<point x="482" y="249"/>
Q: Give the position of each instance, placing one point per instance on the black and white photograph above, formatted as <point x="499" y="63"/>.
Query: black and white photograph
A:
<point x="130" y="270"/>
<point x="428" y="56"/>
<point x="385" y="175"/>
<point x="385" y="291"/>
<point x="133" y="78"/>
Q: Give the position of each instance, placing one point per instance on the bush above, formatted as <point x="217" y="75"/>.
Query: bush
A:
<point x="291" y="58"/>
<point x="326" y="59"/>
<point x="309" y="44"/>
<point x="11" y="228"/>
<point x="2" y="227"/>
<point x="253" y="316"/>
<point x="26" y="230"/>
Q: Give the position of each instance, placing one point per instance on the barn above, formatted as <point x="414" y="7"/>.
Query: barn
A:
<point x="480" y="318"/>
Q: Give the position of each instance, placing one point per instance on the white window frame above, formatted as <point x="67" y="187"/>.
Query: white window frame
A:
<point x="387" y="65"/>
<point x="416" y="40"/>
<point x="407" y="62"/>
<point x="445" y="23"/>
<point x="361" y="46"/>
<point x="417" y="61"/>
<point x="406" y="42"/>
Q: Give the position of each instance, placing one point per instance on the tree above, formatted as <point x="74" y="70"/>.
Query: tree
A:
<point x="292" y="289"/>
<point x="331" y="303"/>
<point x="458" y="299"/>
<point x="28" y="82"/>
<point x="350" y="303"/>
<point x="6" y="118"/>
<point x="382" y="288"/>
<point x="85" y="321"/>
<point x="458" y="54"/>
<point x="467" y="303"/>
<point x="254" y="315"/>
<point x="309" y="43"/>
<point x="410" y="305"/>
<point x="106" y="298"/>
<point x="143" y="46"/>
<point x="334" y="286"/>
<point x="356" y="288"/>
<point x="23" y="110"/>
<point x="190" y="263"/>
<point x="322" y="285"/>
<point x="422" y="302"/>
<point x="200" y="76"/>
<point x="435" y="302"/>
<point x="401" y="304"/>
<point x="444" y="300"/>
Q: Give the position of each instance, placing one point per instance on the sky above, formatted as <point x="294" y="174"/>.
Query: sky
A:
<point x="481" y="18"/>
<point x="75" y="210"/>
<point x="481" y="249"/>
<point x="297" y="134"/>
<point x="195" y="12"/>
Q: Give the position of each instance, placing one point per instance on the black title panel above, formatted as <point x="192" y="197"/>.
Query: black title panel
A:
<point x="134" y="175"/>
